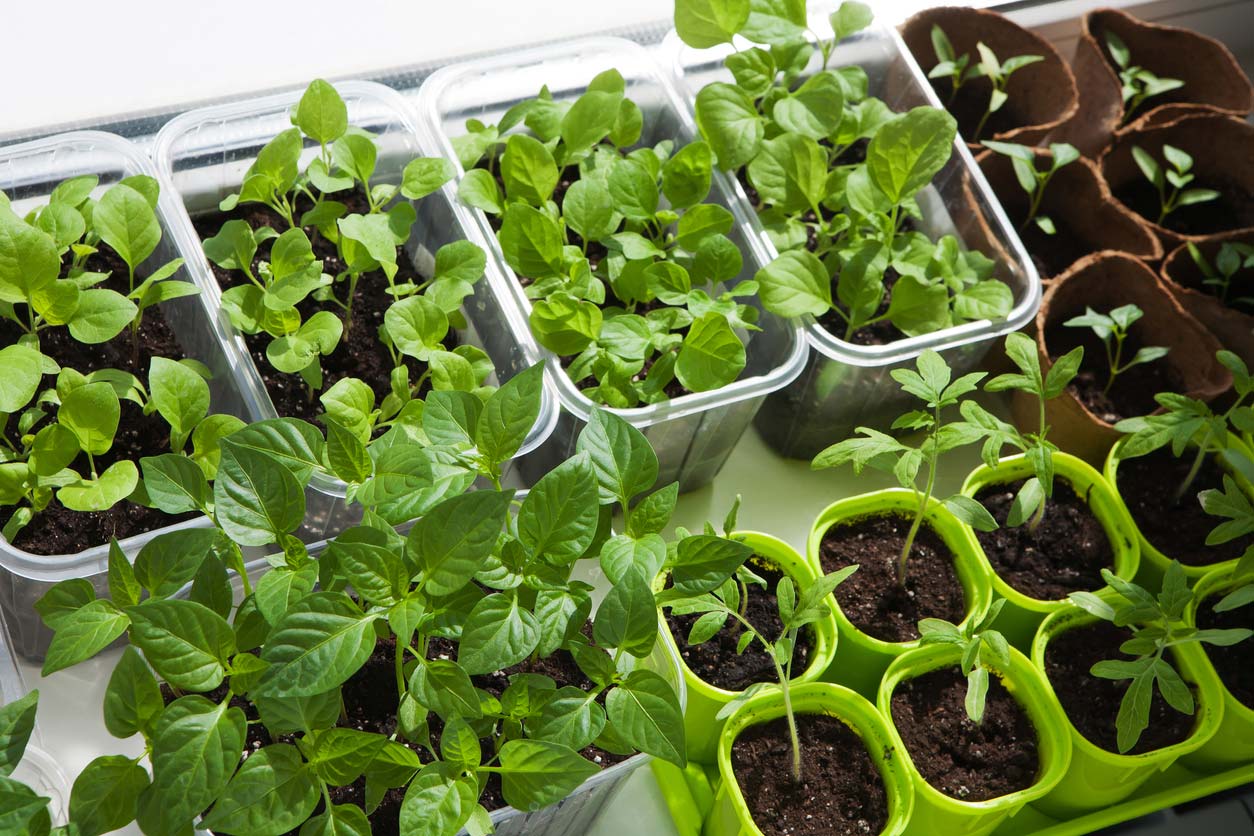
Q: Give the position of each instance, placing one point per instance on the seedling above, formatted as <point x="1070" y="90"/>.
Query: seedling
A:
<point x="25" y="811"/>
<point x="1232" y="258"/>
<point x="957" y="68"/>
<point x="1155" y="624"/>
<point x="1233" y="506"/>
<point x="933" y="385"/>
<point x="1138" y="83"/>
<point x="980" y="643"/>
<point x="1033" y="181"/>
<point x="1112" y="329"/>
<point x="999" y="74"/>
<point x="1170" y="183"/>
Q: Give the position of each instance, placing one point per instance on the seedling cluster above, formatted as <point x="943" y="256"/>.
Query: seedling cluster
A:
<point x="1138" y="83"/>
<point x="958" y="69"/>
<point x="1032" y="180"/>
<point x="1170" y="182"/>
<point x="1112" y="329"/>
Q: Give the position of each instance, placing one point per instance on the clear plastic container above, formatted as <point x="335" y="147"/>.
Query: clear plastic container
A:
<point x="844" y="386"/>
<point x="203" y="155"/>
<point x="692" y="434"/>
<point x="28" y="173"/>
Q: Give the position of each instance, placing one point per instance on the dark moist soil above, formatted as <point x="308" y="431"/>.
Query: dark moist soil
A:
<point x="1233" y="209"/>
<point x="1052" y="254"/>
<point x="841" y="791"/>
<point x="1235" y="664"/>
<point x="1133" y="391"/>
<point x="717" y="662"/>
<point x="969" y="105"/>
<point x="1065" y="554"/>
<point x="1178" y="530"/>
<point x="872" y="598"/>
<point x="360" y="353"/>
<point x="1092" y="703"/>
<point x="963" y="759"/>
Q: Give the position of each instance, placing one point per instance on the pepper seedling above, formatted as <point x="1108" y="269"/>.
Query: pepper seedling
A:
<point x="980" y="643"/>
<point x="1155" y="624"/>
<point x="932" y="383"/>
<point x="1232" y="258"/>
<point x="1170" y="183"/>
<point x="25" y="810"/>
<point x="1137" y="83"/>
<point x="958" y="70"/>
<point x="1032" y="180"/>
<point x="1112" y="329"/>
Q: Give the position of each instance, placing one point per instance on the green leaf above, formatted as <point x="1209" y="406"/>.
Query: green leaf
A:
<point x="116" y="483"/>
<point x="851" y="17"/>
<point x="28" y="260"/>
<point x="100" y="315"/>
<point x="416" y="326"/>
<point x="22" y="811"/>
<point x="424" y="175"/>
<point x="633" y="189"/>
<point x="707" y="23"/>
<point x="686" y="175"/>
<point x="558" y="519"/>
<point x="795" y="283"/>
<point x="124" y="219"/>
<point x="342" y="820"/>
<point x="703" y="562"/>
<point x="355" y="154"/>
<point x="321" y="113"/>
<point x="195" y="749"/>
<point x="627" y="618"/>
<point x="908" y="151"/>
<point x="620" y="554"/>
<point x="730" y="124"/>
<point x="565" y="325"/>
<point x="271" y="794"/>
<point x="105" y="794"/>
<point x="588" y="209"/>
<point x="17" y="721"/>
<point x="341" y="755"/>
<point x="84" y="633"/>
<point x="509" y="415"/>
<point x="187" y="643"/>
<point x="531" y="242"/>
<point x="528" y="170"/>
<point x="593" y="114"/>
<point x="91" y="412"/>
<point x="435" y="805"/>
<point x="318" y="644"/>
<point x="497" y="634"/>
<point x="711" y="356"/>
<point x="536" y="773"/>
<point x="175" y="484"/>
<point x="63" y="600"/>
<point x="622" y="459"/>
<point x="178" y="393"/>
<point x="256" y="498"/>
<point x="23" y="370"/>
<point x="454" y="538"/>
<point x="814" y="109"/>
<point x="132" y="699"/>
<point x="645" y="712"/>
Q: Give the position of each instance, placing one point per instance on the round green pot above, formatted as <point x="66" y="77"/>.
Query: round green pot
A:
<point x="1097" y="777"/>
<point x="863" y="658"/>
<point x="1153" y="562"/>
<point x="730" y="815"/>
<point x="1233" y="744"/>
<point x="701" y="724"/>
<point x="1022" y="614"/>
<point x="934" y="811"/>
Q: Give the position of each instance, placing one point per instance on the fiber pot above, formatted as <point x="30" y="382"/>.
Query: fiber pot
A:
<point x="1154" y="562"/>
<point x="1220" y="147"/>
<point x="1042" y="95"/>
<point x="1022" y="614"/>
<point x="1213" y="79"/>
<point x="1232" y="326"/>
<point x="1104" y="281"/>
<point x="730" y="815"/>
<point x="863" y="658"/>
<point x="934" y="811"/>
<point x="1233" y="743"/>
<point x="701" y="725"/>
<point x="1097" y="777"/>
<point x="1078" y="201"/>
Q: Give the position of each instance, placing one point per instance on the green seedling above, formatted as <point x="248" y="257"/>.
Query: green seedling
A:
<point x="1170" y="183"/>
<point x="1033" y="181"/>
<point x="1112" y="329"/>
<point x="957" y="68"/>
<point x="1138" y="83"/>
<point x="1233" y="507"/>
<point x="1232" y="258"/>
<point x="999" y="74"/>
<point x="981" y="646"/>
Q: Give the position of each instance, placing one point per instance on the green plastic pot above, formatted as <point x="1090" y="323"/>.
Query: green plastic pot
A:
<point x="1022" y="614"/>
<point x="1233" y="744"/>
<point x="730" y="815"/>
<point x="863" y="658"/>
<point x="701" y="724"/>
<point x="1153" y="562"/>
<point x="936" y="812"/>
<point x="1099" y="778"/>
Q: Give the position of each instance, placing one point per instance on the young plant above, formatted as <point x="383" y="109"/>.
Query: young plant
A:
<point x="932" y="384"/>
<point x="1170" y="183"/>
<point x="1112" y="329"/>
<point x="1138" y="83"/>
<point x="1155" y="624"/>
<point x="1236" y="512"/>
<point x="998" y="74"/>
<point x="979" y="643"/>
<point x="626" y="275"/>
<point x="24" y="811"/>
<point x="1233" y="257"/>
<point x="957" y="68"/>
<point x="1033" y="181"/>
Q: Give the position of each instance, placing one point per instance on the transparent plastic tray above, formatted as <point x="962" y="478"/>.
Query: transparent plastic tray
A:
<point x="692" y="434"/>
<point x="203" y="155"/>
<point x="28" y="173"/>
<point x="843" y="385"/>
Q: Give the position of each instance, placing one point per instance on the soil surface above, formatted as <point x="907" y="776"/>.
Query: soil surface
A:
<point x="1235" y="664"/>
<point x="872" y="598"/>
<point x="963" y="759"/>
<point x="1065" y="554"/>
<point x="1233" y="209"/>
<point x="1133" y="391"/>
<point x="1177" y="529"/>
<point x="1092" y="703"/>
<point x="841" y="791"/>
<point x="716" y="660"/>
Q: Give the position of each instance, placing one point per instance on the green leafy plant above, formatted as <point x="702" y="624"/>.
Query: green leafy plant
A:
<point x="1138" y="83"/>
<point x="958" y="69"/>
<point x="1112" y="329"/>
<point x="1236" y="512"/>
<point x="627" y="271"/>
<point x="932" y="384"/>
<point x="979" y="643"/>
<point x="1232" y="258"/>
<point x="1032" y="180"/>
<point x="24" y="811"/>
<point x="1155" y="624"/>
<point x="1170" y="182"/>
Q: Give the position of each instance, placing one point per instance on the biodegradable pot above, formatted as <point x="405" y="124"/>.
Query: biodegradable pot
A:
<point x="701" y="724"/>
<point x="1104" y="281"/>
<point x="1098" y="778"/>
<point x="1081" y="207"/>
<point x="730" y="815"/>
<point x="1220" y="146"/>
<point x="1042" y="96"/>
<point x="1154" y="562"/>
<point x="934" y="811"/>
<point x="1233" y="743"/>
<point x="863" y="659"/>
<point x="1233" y="328"/>
<point x="1022" y="614"/>
<point x="1213" y="79"/>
